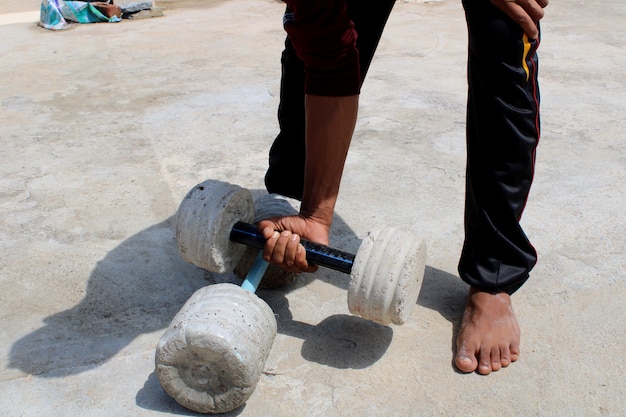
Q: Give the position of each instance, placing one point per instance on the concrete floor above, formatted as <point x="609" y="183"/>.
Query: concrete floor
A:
<point x="105" y="127"/>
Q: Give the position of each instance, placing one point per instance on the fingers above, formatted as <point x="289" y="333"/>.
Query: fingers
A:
<point x="284" y="248"/>
<point x="525" y="12"/>
<point x="283" y="244"/>
<point x="527" y="18"/>
<point x="281" y="248"/>
<point x="271" y="239"/>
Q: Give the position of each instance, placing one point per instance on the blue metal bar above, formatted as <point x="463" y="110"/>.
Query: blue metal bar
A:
<point x="251" y="283"/>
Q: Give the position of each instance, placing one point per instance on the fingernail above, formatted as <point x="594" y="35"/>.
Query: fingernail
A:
<point x="300" y="248"/>
<point x="275" y="235"/>
<point x="294" y="237"/>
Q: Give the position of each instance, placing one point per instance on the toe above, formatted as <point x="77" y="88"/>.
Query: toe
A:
<point x="465" y="361"/>
<point x="505" y="356"/>
<point x="484" y="362"/>
<point x="496" y="361"/>
<point x="515" y="352"/>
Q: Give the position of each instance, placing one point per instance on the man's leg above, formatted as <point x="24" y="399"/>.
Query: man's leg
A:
<point x="285" y="174"/>
<point x="502" y="135"/>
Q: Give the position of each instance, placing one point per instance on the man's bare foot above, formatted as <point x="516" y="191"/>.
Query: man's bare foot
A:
<point x="489" y="336"/>
<point x="283" y="235"/>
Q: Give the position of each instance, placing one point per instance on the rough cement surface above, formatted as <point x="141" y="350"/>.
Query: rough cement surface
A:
<point x="212" y="354"/>
<point x="105" y="127"/>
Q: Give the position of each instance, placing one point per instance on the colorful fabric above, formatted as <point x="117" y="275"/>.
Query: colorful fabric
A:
<point x="58" y="14"/>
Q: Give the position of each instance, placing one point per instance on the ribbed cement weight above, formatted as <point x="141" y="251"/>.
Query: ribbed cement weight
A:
<point x="387" y="276"/>
<point x="204" y="221"/>
<point x="212" y="354"/>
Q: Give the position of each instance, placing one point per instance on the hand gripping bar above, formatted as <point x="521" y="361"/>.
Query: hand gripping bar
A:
<point x="317" y="254"/>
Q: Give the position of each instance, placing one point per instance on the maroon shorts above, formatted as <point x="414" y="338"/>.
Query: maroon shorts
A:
<point x="325" y="40"/>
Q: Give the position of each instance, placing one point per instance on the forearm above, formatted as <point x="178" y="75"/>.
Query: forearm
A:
<point x="330" y="123"/>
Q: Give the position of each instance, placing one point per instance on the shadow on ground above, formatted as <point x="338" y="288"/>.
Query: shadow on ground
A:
<point x="136" y="288"/>
<point x="139" y="286"/>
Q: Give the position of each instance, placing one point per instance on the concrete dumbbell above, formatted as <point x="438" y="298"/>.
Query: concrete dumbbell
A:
<point x="212" y="355"/>
<point x="385" y="274"/>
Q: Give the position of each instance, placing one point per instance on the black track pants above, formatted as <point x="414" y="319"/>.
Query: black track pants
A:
<point x="502" y="135"/>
